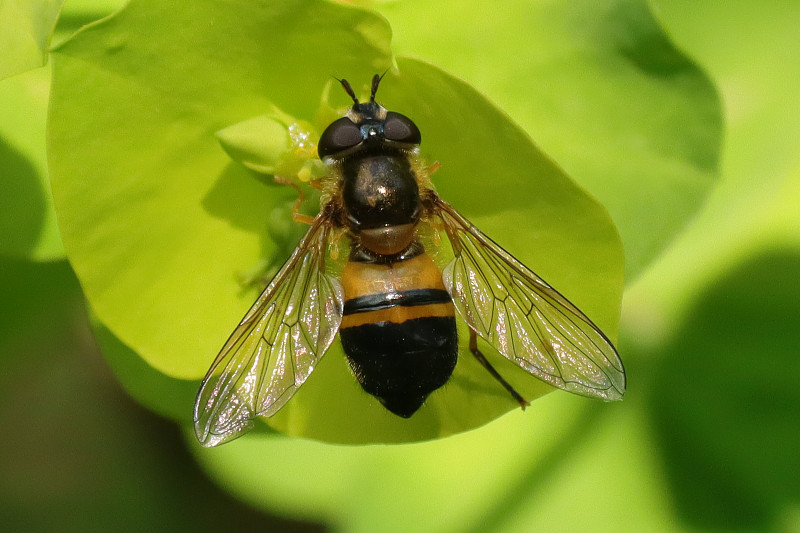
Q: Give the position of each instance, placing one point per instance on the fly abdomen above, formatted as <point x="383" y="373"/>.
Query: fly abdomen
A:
<point x="398" y="330"/>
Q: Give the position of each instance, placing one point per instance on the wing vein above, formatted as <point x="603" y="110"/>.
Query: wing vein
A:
<point x="276" y="345"/>
<point x="524" y="318"/>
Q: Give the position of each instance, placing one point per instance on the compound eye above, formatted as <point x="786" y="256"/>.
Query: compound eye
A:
<point x="341" y="135"/>
<point x="399" y="128"/>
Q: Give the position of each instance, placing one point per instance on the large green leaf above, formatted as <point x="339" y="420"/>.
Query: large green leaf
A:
<point x="158" y="221"/>
<point x="727" y="460"/>
<point x="601" y="89"/>
<point x="25" y="29"/>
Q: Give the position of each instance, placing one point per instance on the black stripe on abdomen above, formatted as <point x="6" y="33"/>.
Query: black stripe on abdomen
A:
<point x="376" y="302"/>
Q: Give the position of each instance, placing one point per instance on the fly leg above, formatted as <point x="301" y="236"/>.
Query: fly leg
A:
<point x="297" y="216"/>
<point x="473" y="347"/>
<point x="260" y="274"/>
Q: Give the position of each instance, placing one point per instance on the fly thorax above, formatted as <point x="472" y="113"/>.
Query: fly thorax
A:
<point x="380" y="191"/>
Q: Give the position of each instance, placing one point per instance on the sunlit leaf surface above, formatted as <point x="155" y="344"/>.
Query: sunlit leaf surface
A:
<point x="25" y="30"/>
<point x="600" y="88"/>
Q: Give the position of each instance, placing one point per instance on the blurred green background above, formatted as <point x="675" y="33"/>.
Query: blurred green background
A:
<point x="706" y="438"/>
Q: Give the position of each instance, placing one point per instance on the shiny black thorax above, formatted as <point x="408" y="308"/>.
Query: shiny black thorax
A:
<point x="379" y="189"/>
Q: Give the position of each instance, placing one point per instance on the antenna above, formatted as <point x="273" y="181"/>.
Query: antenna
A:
<point x="376" y="80"/>
<point x="349" y="89"/>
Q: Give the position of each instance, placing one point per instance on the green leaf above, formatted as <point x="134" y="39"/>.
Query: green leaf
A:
<point x="733" y="463"/>
<point x="28" y="26"/>
<point x="158" y="221"/>
<point x="25" y="28"/>
<point x="274" y="144"/>
<point x="79" y="13"/>
<point x="169" y="397"/>
<point x="749" y="52"/>
<point x="403" y="488"/>
<point x="257" y="143"/>
<point x="601" y="89"/>
<point x="28" y="225"/>
<point x="724" y="300"/>
<point x="523" y="472"/>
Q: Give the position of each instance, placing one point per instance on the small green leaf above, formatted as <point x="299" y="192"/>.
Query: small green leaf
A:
<point x="257" y="143"/>
<point x="25" y="29"/>
<point x="274" y="144"/>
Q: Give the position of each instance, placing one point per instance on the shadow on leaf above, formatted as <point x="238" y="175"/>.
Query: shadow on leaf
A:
<point x="725" y="399"/>
<point x="21" y="202"/>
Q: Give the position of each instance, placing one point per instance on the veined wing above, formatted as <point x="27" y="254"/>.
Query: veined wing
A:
<point x="275" y="347"/>
<point x="524" y="318"/>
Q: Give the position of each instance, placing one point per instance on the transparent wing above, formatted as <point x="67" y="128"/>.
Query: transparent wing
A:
<point x="524" y="318"/>
<point x="275" y="347"/>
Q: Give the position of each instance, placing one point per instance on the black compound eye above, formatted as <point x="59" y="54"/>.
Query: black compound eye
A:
<point x="341" y="135"/>
<point x="399" y="128"/>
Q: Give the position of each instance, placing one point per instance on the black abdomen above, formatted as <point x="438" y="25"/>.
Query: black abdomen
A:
<point x="401" y="364"/>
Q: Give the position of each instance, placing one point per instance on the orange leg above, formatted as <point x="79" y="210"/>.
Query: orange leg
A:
<point x="297" y="216"/>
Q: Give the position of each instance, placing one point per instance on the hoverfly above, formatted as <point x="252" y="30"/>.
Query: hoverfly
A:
<point x="392" y="306"/>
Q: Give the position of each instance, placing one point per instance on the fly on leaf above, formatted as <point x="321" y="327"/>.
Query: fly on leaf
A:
<point x="393" y="308"/>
